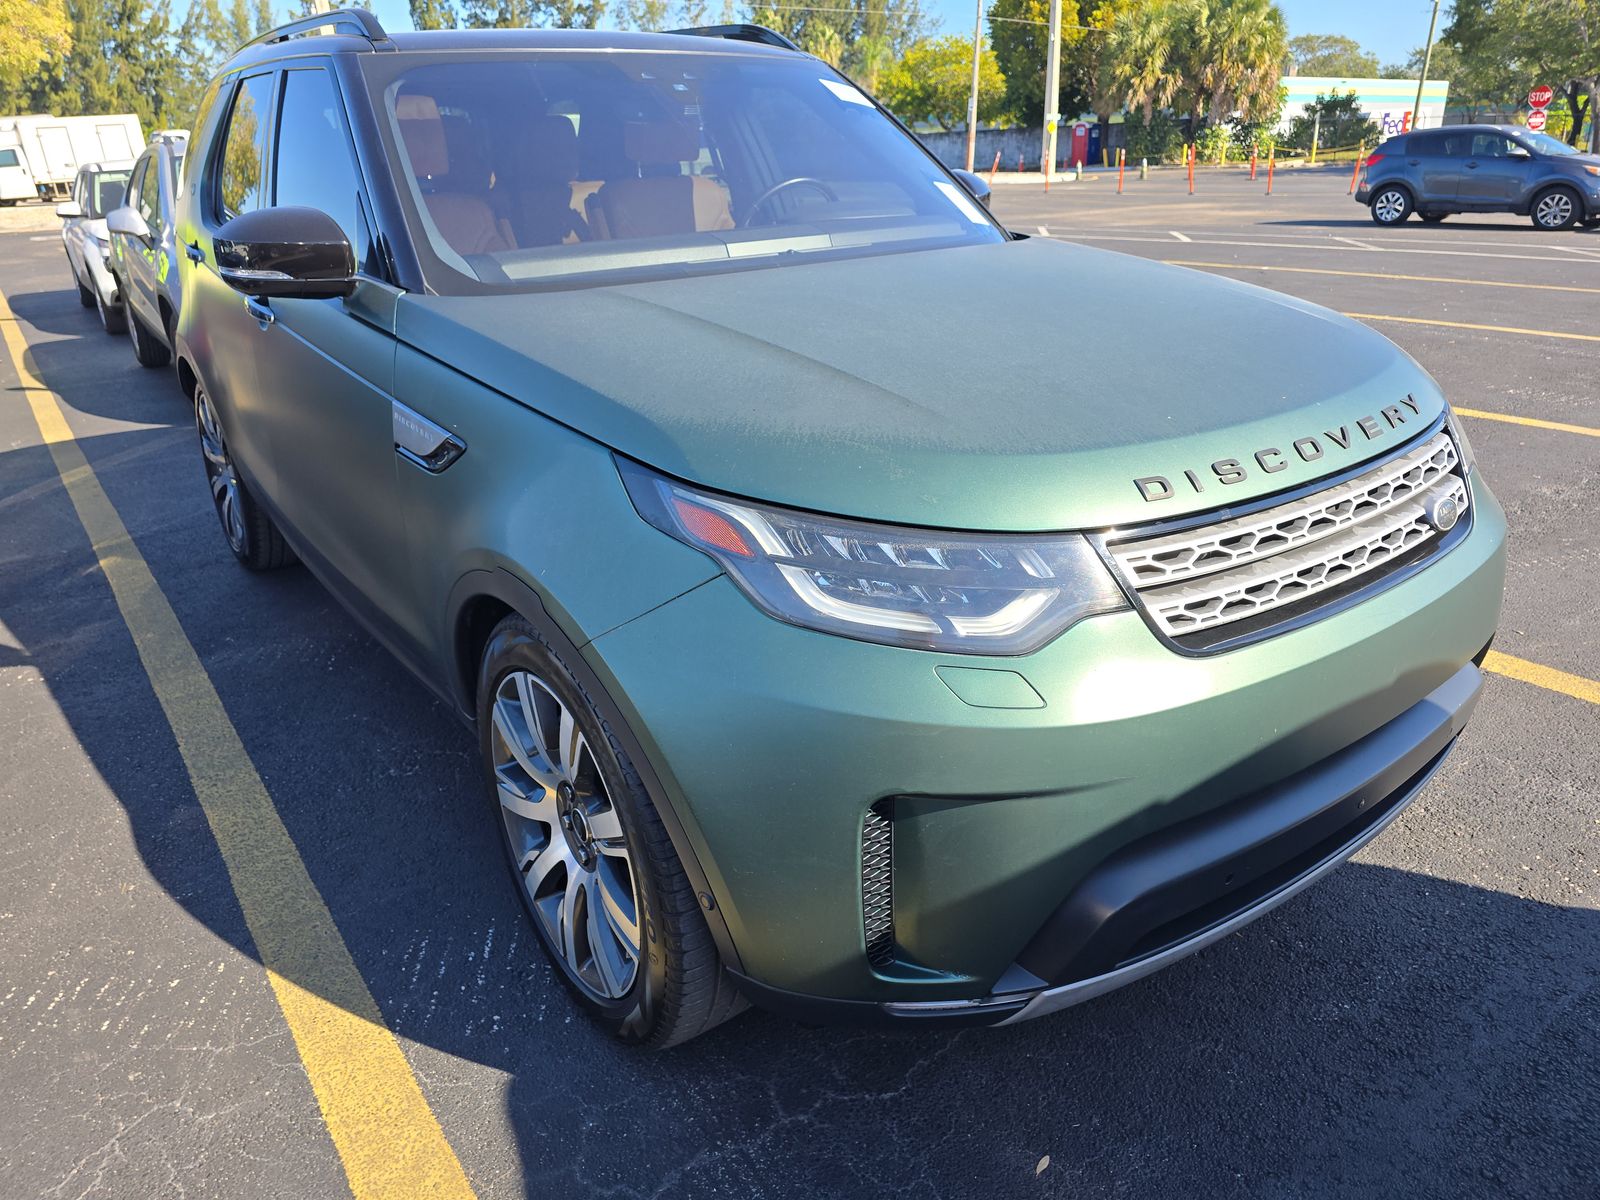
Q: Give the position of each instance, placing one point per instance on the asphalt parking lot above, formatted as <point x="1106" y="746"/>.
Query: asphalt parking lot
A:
<point x="1425" y="1022"/>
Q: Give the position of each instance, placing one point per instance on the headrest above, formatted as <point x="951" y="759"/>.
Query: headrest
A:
<point x="548" y="151"/>
<point x="660" y="143"/>
<point x="423" y="131"/>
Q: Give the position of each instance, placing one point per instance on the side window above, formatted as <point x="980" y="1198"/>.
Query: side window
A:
<point x="1490" y="145"/>
<point x="314" y="165"/>
<point x="150" y="196"/>
<point x="244" y="148"/>
<point x="136" y="185"/>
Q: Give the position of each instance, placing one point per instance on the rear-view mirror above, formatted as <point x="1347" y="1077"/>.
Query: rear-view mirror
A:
<point x="289" y="252"/>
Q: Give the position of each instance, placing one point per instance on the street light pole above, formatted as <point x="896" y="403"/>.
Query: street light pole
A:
<point x="1427" y="60"/>
<point x="1052" y="91"/>
<point x="972" y="100"/>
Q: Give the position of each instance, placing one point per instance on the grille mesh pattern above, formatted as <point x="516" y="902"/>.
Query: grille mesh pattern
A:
<point x="1196" y="580"/>
<point x="877" y="886"/>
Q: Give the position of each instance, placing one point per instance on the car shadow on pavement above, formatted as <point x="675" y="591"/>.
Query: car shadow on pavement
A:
<point x="1372" y="1037"/>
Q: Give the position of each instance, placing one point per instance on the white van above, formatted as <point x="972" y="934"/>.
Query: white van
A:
<point x="16" y="181"/>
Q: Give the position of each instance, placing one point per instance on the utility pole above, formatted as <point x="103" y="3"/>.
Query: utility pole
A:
<point x="1427" y="61"/>
<point x="972" y="100"/>
<point x="1052" y="91"/>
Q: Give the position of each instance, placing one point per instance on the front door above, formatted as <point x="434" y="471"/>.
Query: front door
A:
<point x="1496" y="173"/>
<point x="327" y="374"/>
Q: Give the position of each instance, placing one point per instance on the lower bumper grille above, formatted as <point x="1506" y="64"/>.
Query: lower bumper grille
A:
<point x="877" y="886"/>
<point x="1226" y="578"/>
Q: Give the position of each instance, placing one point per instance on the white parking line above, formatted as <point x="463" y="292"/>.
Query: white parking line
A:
<point x="1324" y="247"/>
<point x="1178" y="235"/>
<point x="1353" y="242"/>
<point x="1044" y="232"/>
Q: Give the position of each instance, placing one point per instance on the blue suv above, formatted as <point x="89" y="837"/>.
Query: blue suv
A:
<point x="1481" y="168"/>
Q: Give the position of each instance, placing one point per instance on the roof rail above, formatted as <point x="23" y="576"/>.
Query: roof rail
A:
<point x="741" y="33"/>
<point x="341" y="20"/>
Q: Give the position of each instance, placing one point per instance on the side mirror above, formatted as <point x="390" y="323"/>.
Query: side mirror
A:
<point x="70" y="209"/>
<point x="1518" y="152"/>
<point x="128" y="222"/>
<point x="298" y="253"/>
<point x="975" y="184"/>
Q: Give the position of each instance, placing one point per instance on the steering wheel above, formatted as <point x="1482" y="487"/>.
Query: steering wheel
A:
<point x="772" y="191"/>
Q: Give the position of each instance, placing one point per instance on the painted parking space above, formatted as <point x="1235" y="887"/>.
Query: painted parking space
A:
<point x="1225" y="1074"/>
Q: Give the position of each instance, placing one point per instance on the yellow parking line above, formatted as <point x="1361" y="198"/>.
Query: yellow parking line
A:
<point x="1541" y="676"/>
<point x="1549" y="333"/>
<point x="1535" y="422"/>
<point x="387" y="1137"/>
<point x="1542" y="287"/>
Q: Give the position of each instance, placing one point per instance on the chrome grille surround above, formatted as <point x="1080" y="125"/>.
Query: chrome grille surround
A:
<point x="1215" y="582"/>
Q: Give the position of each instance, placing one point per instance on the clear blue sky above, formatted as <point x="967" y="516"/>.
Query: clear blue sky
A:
<point x="1389" y="28"/>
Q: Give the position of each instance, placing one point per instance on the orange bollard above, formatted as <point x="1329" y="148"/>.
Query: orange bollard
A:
<point x="1252" y="162"/>
<point x="1019" y="164"/>
<point x="994" y="168"/>
<point x="1122" y="164"/>
<point x="1272" y="156"/>
<point x="1191" y="157"/>
<point x="1361" y="152"/>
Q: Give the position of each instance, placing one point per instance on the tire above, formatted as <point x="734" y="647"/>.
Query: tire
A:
<point x="1433" y="218"/>
<point x="253" y="538"/>
<point x="1555" y="209"/>
<point x="113" y="318"/>
<point x="1590" y="222"/>
<point x="85" y="295"/>
<point x="1391" y="205"/>
<point x="148" y="351"/>
<point x="673" y="987"/>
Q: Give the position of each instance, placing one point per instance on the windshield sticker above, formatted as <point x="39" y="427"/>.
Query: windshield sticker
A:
<point x="845" y="92"/>
<point x="968" y="206"/>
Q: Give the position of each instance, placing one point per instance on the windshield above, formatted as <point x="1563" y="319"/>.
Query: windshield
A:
<point x="558" y="166"/>
<point x="106" y="191"/>
<point x="1545" y="144"/>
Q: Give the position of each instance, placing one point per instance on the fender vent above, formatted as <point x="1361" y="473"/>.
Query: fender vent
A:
<point x="877" y="885"/>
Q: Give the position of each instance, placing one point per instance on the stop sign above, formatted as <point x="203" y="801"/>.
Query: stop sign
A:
<point x="1540" y="97"/>
<point x="1536" y="120"/>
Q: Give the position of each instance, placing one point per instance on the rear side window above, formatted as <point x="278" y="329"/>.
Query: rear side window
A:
<point x="136" y="187"/>
<point x="244" y="149"/>
<point x="315" y="168"/>
<point x="1441" y="145"/>
<point x="150" y="198"/>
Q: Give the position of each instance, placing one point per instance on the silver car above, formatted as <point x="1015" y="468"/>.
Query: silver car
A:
<point x="96" y="190"/>
<point x="144" y="249"/>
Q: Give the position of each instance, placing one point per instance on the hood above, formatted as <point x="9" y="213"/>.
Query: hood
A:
<point x="1027" y="385"/>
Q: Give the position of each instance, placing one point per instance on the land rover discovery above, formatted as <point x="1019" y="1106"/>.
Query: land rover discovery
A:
<point x="631" y="388"/>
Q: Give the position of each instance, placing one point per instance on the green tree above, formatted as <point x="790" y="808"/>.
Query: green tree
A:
<point x="1331" y="54"/>
<point x="642" y="14"/>
<point x="1019" y="31"/>
<point x="1227" y="55"/>
<point x="1342" y="123"/>
<point x="932" y="82"/>
<point x="37" y="32"/>
<point x="239" y="23"/>
<point x="434" y="14"/>
<point x="1514" y="44"/>
<point x="861" y="37"/>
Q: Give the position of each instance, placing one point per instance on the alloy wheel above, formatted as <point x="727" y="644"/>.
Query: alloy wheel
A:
<point x="1390" y="206"/>
<point x="565" y="836"/>
<point x="1554" y="211"/>
<point x="220" y="471"/>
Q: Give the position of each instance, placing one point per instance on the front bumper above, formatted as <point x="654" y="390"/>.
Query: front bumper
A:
<point x="103" y="281"/>
<point x="773" y="743"/>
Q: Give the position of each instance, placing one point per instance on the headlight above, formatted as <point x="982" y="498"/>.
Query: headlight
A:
<point x="1590" y="169"/>
<point x="961" y="593"/>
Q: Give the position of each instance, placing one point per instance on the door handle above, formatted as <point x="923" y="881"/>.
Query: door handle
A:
<point x="193" y="252"/>
<point x="1472" y="166"/>
<point x="1413" y="162"/>
<point x="259" y="311"/>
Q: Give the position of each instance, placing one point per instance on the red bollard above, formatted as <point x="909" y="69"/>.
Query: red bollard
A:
<point x="1272" y="157"/>
<point x="1252" y="162"/>
<point x="1122" y="162"/>
<point x="994" y="168"/>
<point x="1192" y="157"/>
<point x="1019" y="164"/>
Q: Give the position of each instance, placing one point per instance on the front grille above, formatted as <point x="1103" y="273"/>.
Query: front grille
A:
<point x="877" y="886"/>
<point x="1214" y="582"/>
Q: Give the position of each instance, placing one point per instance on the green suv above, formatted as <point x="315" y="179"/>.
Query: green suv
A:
<point x="640" y="392"/>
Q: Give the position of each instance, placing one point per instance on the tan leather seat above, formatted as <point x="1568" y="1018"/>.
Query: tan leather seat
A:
<point x="545" y="210"/>
<point x="459" y="207"/>
<point x="660" y="204"/>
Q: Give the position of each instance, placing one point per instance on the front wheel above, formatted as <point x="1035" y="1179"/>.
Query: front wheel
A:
<point x="1391" y="205"/>
<point x="588" y="853"/>
<point x="1556" y="209"/>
